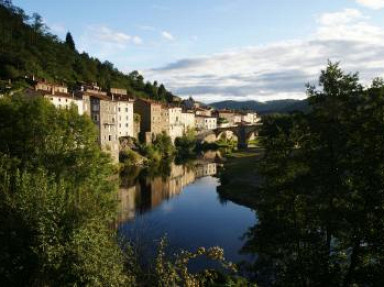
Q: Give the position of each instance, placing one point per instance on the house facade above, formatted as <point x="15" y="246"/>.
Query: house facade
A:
<point x="206" y="123"/>
<point x="103" y="112"/>
<point x="153" y="120"/>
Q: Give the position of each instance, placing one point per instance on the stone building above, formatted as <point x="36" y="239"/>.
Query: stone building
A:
<point x="103" y="112"/>
<point x="231" y="117"/>
<point x="153" y="119"/>
<point x="189" y="120"/>
<point x="250" y="117"/>
<point x="207" y="112"/>
<point x="58" y="95"/>
<point x="50" y="87"/>
<point x="206" y="123"/>
<point x="175" y="124"/>
<point x="125" y="118"/>
<point x="125" y="125"/>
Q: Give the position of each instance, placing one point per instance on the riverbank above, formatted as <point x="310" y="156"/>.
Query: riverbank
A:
<point x="238" y="177"/>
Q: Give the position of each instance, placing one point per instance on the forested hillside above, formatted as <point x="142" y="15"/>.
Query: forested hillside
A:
<point x="28" y="48"/>
<point x="264" y="107"/>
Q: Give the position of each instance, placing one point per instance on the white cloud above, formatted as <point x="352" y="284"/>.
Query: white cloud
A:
<point x="280" y="70"/>
<point x="168" y="36"/>
<point x="106" y="34"/>
<point x="337" y="18"/>
<point x="103" y="42"/>
<point x="137" y="40"/>
<point x="372" y="4"/>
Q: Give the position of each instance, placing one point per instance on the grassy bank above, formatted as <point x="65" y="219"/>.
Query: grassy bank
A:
<point x="238" y="177"/>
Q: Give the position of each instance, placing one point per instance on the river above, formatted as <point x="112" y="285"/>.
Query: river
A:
<point x="181" y="202"/>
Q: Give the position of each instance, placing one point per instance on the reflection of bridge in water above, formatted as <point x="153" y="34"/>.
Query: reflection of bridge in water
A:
<point x="243" y="132"/>
<point x="148" y="193"/>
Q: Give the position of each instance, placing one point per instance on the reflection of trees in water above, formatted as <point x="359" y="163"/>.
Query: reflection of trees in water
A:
<point x="321" y="209"/>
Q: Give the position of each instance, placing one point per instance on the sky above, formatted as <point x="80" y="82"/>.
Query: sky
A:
<point x="225" y="49"/>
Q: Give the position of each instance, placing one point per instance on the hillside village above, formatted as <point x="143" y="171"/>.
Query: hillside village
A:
<point x="118" y="115"/>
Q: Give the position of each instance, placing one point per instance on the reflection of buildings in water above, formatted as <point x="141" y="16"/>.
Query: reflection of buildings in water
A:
<point x="149" y="193"/>
<point x="206" y="169"/>
<point x="212" y="155"/>
<point x="127" y="206"/>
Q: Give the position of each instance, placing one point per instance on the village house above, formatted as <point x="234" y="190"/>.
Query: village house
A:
<point x="154" y="120"/>
<point x="175" y="124"/>
<point x="103" y="112"/>
<point x="204" y="123"/>
<point x="188" y="119"/>
<point x="227" y="116"/>
<point x="125" y="120"/>
<point x="250" y="117"/>
<point x="203" y="112"/>
<point x="58" y="95"/>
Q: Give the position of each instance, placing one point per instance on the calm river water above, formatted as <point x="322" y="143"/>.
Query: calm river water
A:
<point x="184" y="206"/>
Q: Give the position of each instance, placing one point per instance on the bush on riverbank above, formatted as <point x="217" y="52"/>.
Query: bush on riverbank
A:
<point x="186" y="145"/>
<point x="161" y="148"/>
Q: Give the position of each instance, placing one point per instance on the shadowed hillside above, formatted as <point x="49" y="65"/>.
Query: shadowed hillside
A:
<point x="264" y="107"/>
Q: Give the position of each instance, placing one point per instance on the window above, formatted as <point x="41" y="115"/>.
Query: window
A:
<point x="119" y="109"/>
<point x="59" y="100"/>
<point x="126" y="109"/>
<point x="110" y="138"/>
<point x="127" y="118"/>
<point x="126" y="125"/>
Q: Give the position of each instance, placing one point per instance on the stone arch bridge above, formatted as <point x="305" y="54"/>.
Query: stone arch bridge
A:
<point x="243" y="132"/>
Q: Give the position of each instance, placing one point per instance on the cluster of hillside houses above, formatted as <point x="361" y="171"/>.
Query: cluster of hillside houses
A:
<point x="117" y="115"/>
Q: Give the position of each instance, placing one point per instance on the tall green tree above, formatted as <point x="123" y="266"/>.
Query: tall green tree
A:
<point x="70" y="42"/>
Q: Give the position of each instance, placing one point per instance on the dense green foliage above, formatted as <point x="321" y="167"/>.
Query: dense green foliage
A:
<point x="57" y="199"/>
<point x="28" y="48"/>
<point x="161" y="148"/>
<point x="321" y="204"/>
<point x="186" y="145"/>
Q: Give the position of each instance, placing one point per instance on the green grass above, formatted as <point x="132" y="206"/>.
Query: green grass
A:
<point x="239" y="179"/>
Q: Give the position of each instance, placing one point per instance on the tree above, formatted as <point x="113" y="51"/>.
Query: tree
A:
<point x="57" y="199"/>
<point x="319" y="208"/>
<point x="70" y="42"/>
<point x="38" y="23"/>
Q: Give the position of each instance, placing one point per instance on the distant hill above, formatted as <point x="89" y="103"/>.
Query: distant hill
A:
<point x="282" y="106"/>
